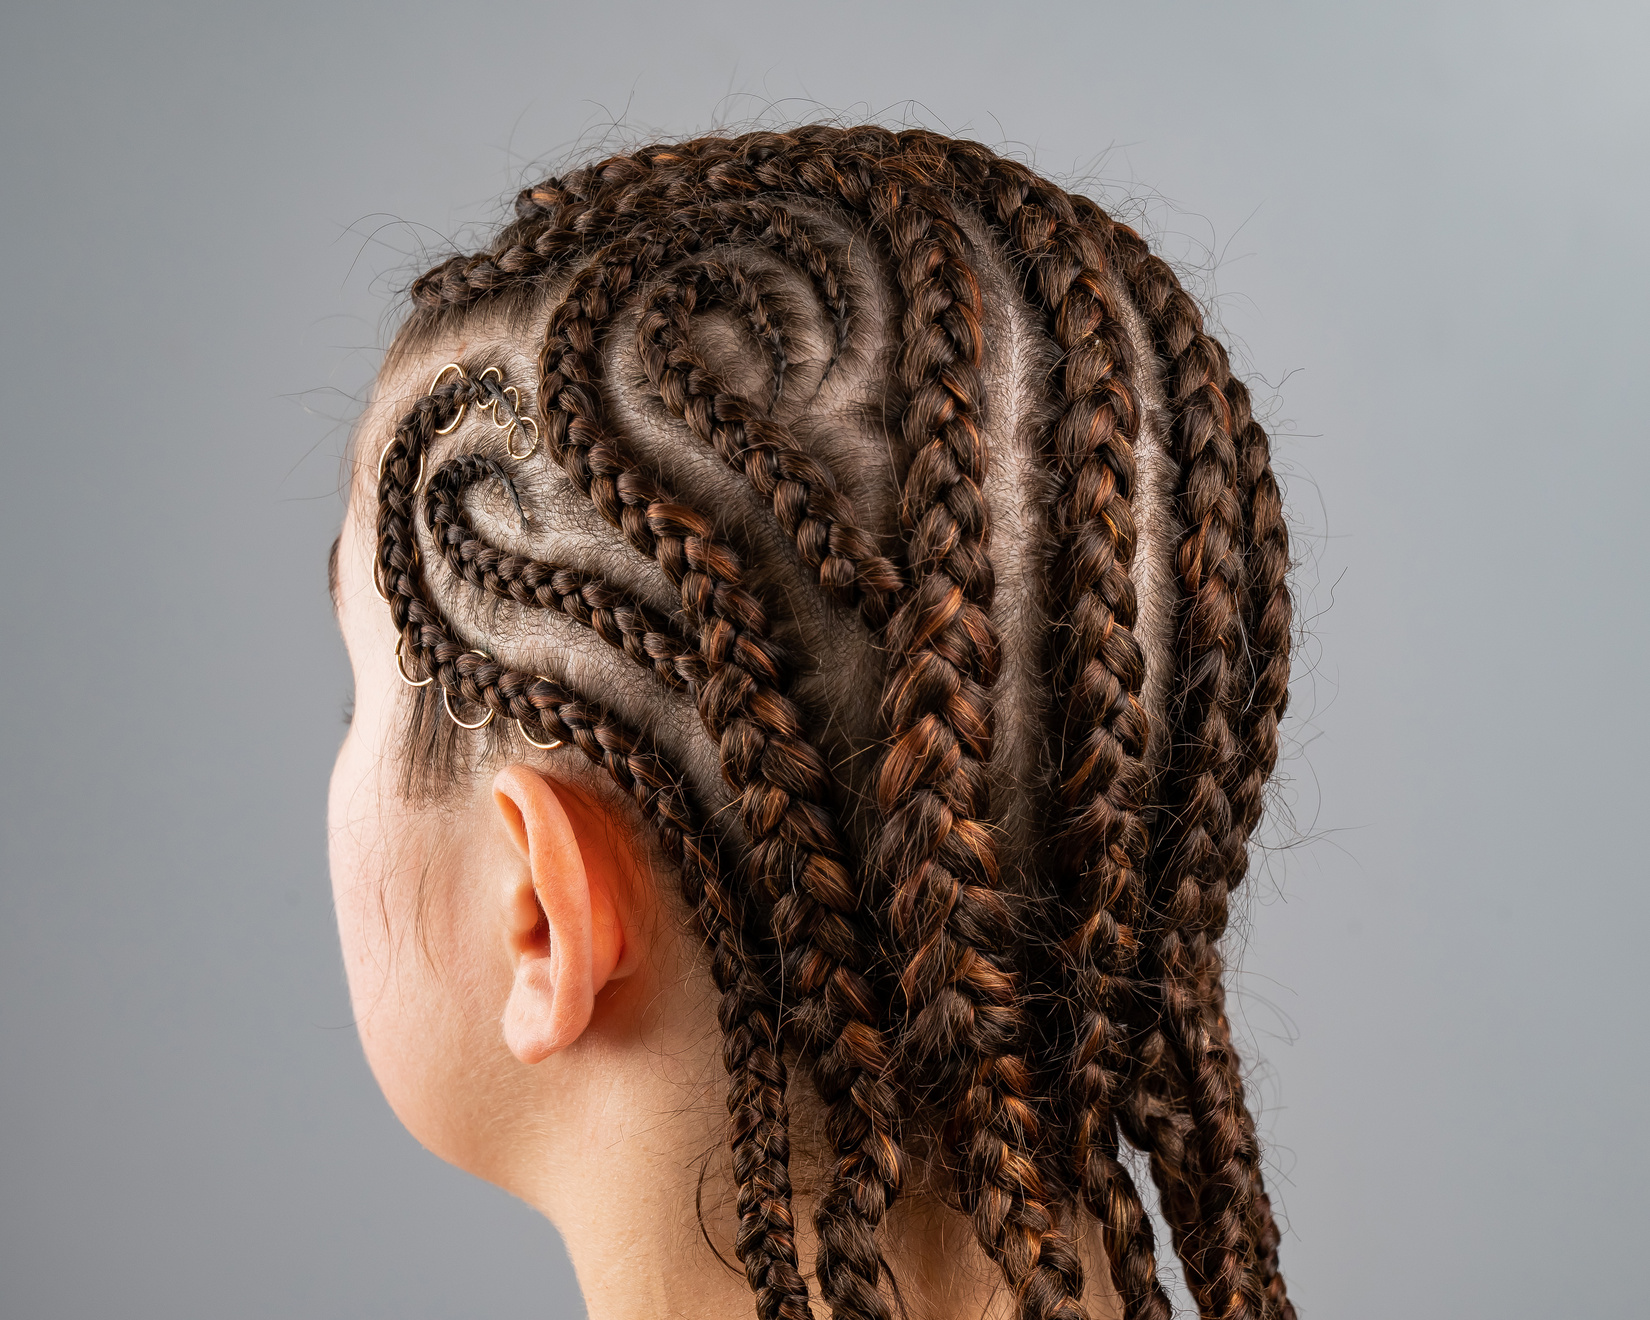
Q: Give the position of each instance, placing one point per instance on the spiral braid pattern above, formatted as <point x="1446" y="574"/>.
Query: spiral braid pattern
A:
<point x="914" y="975"/>
<point x="618" y="618"/>
<point x="796" y="858"/>
<point x="752" y="1049"/>
<point x="802" y="491"/>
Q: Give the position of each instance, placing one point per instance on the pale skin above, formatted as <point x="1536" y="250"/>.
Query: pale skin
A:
<point x="537" y="1014"/>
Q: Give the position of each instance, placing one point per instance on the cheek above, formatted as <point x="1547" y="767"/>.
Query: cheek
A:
<point x="427" y="989"/>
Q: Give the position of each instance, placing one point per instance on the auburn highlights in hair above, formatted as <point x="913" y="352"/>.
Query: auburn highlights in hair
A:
<point x="881" y="519"/>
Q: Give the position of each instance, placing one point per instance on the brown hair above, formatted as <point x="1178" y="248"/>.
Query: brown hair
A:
<point x="976" y="574"/>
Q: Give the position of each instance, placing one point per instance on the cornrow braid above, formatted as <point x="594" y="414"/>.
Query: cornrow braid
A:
<point x="1098" y="681"/>
<point x="1268" y="619"/>
<point x="1104" y="725"/>
<point x="838" y="1011"/>
<point x="950" y="918"/>
<point x="947" y="915"/>
<point x="614" y="615"/>
<point x="751" y="1054"/>
<point x="801" y="490"/>
<point x="1209" y="857"/>
<point x="796" y="856"/>
<point x="1267" y="616"/>
<point x="1033" y="978"/>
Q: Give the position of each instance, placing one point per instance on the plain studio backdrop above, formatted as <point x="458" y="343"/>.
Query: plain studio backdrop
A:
<point x="1422" y="226"/>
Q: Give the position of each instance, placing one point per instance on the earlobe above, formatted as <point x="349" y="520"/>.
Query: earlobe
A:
<point x="562" y="927"/>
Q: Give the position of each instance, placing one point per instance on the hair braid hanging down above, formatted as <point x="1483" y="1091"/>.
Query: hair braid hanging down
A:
<point x="1028" y="1006"/>
<point x="1099" y="678"/>
<point x="1232" y="1217"/>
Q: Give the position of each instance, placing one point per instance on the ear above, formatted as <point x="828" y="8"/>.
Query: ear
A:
<point x="563" y="924"/>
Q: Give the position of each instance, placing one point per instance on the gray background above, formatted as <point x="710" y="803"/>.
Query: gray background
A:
<point x="1423" y="227"/>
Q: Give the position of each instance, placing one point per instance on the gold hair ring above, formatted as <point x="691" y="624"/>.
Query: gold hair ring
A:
<point x="480" y="724"/>
<point x="511" y="393"/>
<point x="500" y="389"/>
<point x="462" y="408"/>
<point x="489" y="405"/>
<point x="377" y="582"/>
<point x="543" y="747"/>
<point x="521" y="420"/>
<point x="385" y="453"/>
<point x="449" y="705"/>
<point x="400" y="668"/>
<point x="514" y="420"/>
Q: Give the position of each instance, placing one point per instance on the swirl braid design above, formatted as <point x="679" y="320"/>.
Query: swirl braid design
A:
<point x="842" y="1010"/>
<point x="796" y="858"/>
<point x="957" y="972"/>
<point x="752" y="1052"/>
<point x="617" y="617"/>
<point x="1035" y="995"/>
<point x="802" y="491"/>
<point x="543" y="236"/>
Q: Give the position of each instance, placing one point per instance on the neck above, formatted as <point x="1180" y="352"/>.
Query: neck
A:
<point x="634" y="1171"/>
<point x="632" y="1227"/>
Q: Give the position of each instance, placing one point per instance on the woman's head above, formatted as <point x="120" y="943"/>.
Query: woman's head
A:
<point x="866" y="582"/>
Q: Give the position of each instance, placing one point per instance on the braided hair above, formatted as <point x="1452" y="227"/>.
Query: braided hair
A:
<point x="902" y="545"/>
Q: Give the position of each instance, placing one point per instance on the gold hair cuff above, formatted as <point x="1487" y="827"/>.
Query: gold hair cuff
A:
<point x="385" y="453"/>
<point x="543" y="747"/>
<point x="462" y="408"/>
<point x="447" y="702"/>
<point x="400" y="668"/>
